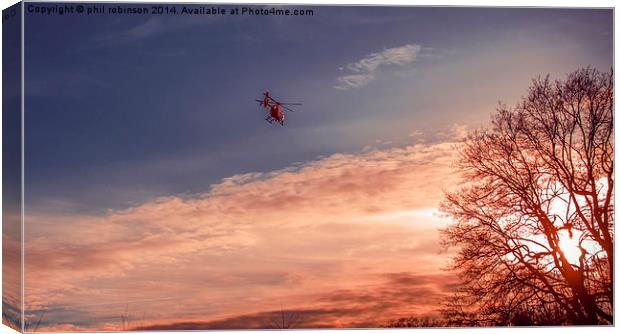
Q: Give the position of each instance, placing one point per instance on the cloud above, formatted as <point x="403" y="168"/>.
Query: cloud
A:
<point x="363" y="71"/>
<point x="397" y="295"/>
<point x="11" y="264"/>
<point x="251" y="242"/>
<point x="152" y="27"/>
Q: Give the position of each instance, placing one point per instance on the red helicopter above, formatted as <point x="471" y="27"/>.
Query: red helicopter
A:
<point x="275" y="108"/>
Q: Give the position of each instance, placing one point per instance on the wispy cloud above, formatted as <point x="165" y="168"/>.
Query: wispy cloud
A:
<point x="152" y="27"/>
<point x="364" y="306"/>
<point x="370" y="212"/>
<point x="363" y="71"/>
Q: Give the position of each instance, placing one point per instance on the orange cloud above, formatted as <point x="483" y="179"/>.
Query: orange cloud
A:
<point x="328" y="227"/>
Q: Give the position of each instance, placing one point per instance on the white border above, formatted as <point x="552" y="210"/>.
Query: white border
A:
<point x="485" y="3"/>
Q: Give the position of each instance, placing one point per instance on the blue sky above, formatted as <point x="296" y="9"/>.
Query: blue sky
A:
<point x="148" y="106"/>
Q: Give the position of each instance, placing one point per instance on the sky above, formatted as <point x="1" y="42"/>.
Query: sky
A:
<point x="155" y="189"/>
<point x="11" y="169"/>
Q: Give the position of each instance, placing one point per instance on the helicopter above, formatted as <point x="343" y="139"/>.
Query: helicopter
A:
<point x="276" y="108"/>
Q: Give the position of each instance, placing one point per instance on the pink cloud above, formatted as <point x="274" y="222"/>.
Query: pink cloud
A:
<point x="249" y="243"/>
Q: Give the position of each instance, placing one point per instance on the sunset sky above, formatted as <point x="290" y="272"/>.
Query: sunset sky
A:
<point x="154" y="188"/>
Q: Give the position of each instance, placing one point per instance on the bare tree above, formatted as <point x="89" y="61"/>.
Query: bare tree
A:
<point x="534" y="220"/>
<point x="415" y="321"/>
<point x="125" y="322"/>
<point x="284" y="319"/>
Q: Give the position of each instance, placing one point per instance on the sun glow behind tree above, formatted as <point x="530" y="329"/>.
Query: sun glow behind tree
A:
<point x="534" y="224"/>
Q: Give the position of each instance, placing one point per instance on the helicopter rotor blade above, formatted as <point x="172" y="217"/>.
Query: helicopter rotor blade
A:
<point x="272" y="99"/>
<point x="287" y="108"/>
<point x="283" y="103"/>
